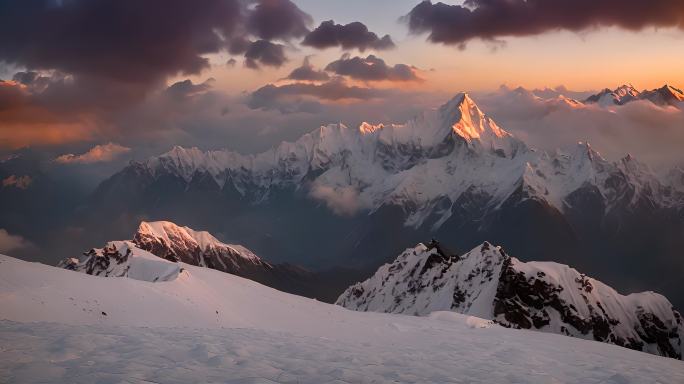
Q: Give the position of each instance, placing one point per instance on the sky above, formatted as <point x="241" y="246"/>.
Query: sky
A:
<point x="590" y="59"/>
<point x="103" y="80"/>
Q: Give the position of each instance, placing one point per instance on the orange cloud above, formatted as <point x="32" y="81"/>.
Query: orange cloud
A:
<point x="24" y="121"/>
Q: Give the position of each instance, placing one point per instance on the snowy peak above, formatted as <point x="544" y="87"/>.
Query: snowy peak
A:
<point x="664" y="96"/>
<point x="430" y="161"/>
<point x="427" y="278"/>
<point x="619" y="96"/>
<point x="469" y="122"/>
<point x="544" y="296"/>
<point x="167" y="244"/>
<point x="459" y="120"/>
<point x="173" y="242"/>
<point x="626" y="91"/>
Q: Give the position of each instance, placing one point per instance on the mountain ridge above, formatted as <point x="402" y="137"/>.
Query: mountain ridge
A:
<point x="546" y="296"/>
<point x="167" y="245"/>
<point x="666" y="95"/>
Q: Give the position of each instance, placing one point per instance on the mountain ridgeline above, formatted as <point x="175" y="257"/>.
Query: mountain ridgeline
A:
<point x="355" y="197"/>
<point x="663" y="96"/>
<point x="485" y="282"/>
<point x="167" y="244"/>
<point x="543" y="296"/>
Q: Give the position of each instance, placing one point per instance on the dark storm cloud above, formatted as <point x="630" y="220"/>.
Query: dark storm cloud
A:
<point x="264" y="52"/>
<point x="307" y="72"/>
<point x="142" y="42"/>
<point x="88" y="65"/>
<point x="123" y="40"/>
<point x="372" y="68"/>
<point x="186" y="88"/>
<point x="492" y="19"/>
<point x="278" y="19"/>
<point x="349" y="36"/>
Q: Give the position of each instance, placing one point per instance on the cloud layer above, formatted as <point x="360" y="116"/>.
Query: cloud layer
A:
<point x="307" y="72"/>
<point x="651" y="133"/>
<point x="343" y="201"/>
<point x="372" y="68"/>
<point x="494" y="19"/>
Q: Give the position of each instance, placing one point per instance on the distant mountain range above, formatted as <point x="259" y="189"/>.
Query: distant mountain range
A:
<point x="345" y="200"/>
<point x="545" y="296"/>
<point x="664" y="96"/>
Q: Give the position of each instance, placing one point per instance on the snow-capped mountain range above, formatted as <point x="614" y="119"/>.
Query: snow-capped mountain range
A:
<point x="545" y="296"/>
<point x="665" y="96"/>
<point x="422" y="165"/>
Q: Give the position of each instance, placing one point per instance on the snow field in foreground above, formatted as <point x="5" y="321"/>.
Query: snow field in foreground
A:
<point x="53" y="330"/>
<point x="57" y="353"/>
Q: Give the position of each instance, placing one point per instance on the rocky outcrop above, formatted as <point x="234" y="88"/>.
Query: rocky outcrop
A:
<point x="123" y="259"/>
<point x="544" y="296"/>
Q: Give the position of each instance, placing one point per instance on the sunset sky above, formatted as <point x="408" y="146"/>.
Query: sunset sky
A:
<point x="591" y="59"/>
<point x="77" y="74"/>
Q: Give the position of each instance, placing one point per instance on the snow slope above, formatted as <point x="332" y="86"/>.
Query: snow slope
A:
<point x="545" y="296"/>
<point x="207" y="326"/>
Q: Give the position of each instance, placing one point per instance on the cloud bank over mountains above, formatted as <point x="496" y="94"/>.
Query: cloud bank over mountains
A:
<point x="105" y="71"/>
<point x="649" y="132"/>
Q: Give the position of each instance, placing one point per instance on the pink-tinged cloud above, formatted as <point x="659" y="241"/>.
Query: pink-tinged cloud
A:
<point x="97" y="154"/>
<point x="14" y="181"/>
<point x="9" y="243"/>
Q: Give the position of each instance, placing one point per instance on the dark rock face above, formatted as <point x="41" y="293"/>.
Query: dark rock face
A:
<point x="524" y="301"/>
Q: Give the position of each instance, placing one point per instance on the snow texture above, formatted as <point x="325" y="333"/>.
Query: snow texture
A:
<point x="58" y="326"/>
